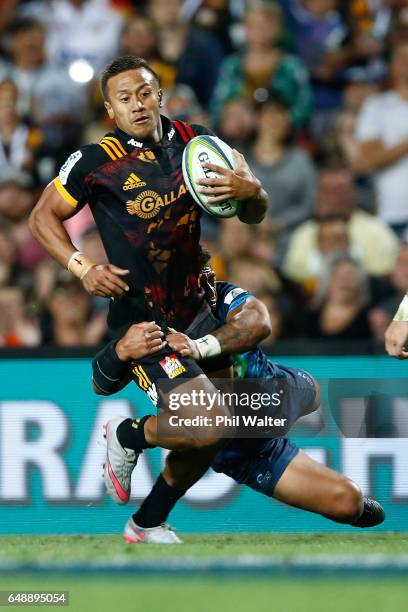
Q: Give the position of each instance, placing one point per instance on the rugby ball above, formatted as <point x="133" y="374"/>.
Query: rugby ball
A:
<point x="201" y="150"/>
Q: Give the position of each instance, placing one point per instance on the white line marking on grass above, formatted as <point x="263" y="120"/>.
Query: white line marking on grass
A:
<point x="312" y="565"/>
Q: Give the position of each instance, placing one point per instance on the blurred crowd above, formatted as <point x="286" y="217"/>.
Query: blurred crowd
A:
<point x="314" y="93"/>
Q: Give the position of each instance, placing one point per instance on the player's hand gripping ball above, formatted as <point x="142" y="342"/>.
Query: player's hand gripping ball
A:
<point x="199" y="152"/>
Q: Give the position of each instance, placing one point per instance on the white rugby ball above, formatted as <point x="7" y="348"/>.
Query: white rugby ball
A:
<point x="201" y="150"/>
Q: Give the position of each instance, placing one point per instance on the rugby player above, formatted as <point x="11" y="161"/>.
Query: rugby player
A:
<point x="396" y="336"/>
<point x="274" y="467"/>
<point x="149" y="224"/>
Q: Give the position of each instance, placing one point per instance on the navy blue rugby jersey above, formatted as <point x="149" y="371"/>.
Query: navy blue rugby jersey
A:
<point x="253" y="363"/>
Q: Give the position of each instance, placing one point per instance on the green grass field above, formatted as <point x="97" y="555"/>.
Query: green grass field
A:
<point x="107" y="591"/>
<point x="83" y="548"/>
<point x="227" y="595"/>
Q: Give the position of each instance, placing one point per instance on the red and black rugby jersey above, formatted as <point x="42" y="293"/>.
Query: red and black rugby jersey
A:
<point x="147" y="220"/>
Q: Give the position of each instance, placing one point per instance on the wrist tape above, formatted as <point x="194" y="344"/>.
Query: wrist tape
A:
<point x="79" y="264"/>
<point x="208" y="346"/>
<point x="402" y="312"/>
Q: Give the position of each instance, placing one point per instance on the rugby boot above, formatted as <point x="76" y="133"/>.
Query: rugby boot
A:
<point x="119" y="465"/>
<point x="372" y="515"/>
<point x="163" y="534"/>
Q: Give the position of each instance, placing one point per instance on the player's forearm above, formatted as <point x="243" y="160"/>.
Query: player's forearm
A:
<point x="253" y="211"/>
<point x="110" y="372"/>
<point x="243" y="332"/>
<point x="114" y="389"/>
<point x="50" y="232"/>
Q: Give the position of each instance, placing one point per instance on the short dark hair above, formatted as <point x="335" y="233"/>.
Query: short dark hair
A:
<point x="122" y="64"/>
<point x="276" y="100"/>
<point x="8" y="81"/>
<point x="334" y="163"/>
<point x="24" y="24"/>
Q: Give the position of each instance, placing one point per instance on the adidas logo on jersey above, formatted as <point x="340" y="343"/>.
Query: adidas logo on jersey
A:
<point x="132" y="182"/>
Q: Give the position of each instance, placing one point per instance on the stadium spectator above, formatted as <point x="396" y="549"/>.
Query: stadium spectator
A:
<point x="72" y="321"/>
<point x="319" y="33"/>
<point x="235" y="238"/>
<point x="340" y="140"/>
<point x="326" y="38"/>
<point x="255" y="275"/>
<point x="277" y="319"/>
<point x="341" y="145"/>
<point x="343" y="313"/>
<point x="79" y="30"/>
<point x="263" y="69"/>
<point x="383" y="313"/>
<point x="358" y="85"/>
<point x="264" y="240"/>
<point x="8" y="255"/>
<point x="344" y="144"/>
<point x="286" y="171"/>
<point x="382" y="131"/>
<point x="332" y="241"/>
<point x="16" y="201"/>
<point x="181" y="103"/>
<point x="47" y="97"/>
<point x="139" y="37"/>
<point x="17" y="327"/>
<point x="342" y="46"/>
<point x="369" y="235"/>
<point x="195" y="54"/>
<point x="368" y="23"/>
<point x="18" y="141"/>
<point x="237" y="124"/>
<point x="214" y="17"/>
<point x="210" y="241"/>
<point x="368" y="16"/>
<point x="7" y="13"/>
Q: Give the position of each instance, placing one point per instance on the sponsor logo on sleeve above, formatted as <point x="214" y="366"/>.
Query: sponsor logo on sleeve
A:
<point x="172" y="366"/>
<point x="135" y="143"/>
<point x="231" y="295"/>
<point x="67" y="167"/>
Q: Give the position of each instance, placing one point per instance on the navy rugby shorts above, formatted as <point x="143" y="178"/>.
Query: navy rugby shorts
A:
<point x="299" y="392"/>
<point x="258" y="464"/>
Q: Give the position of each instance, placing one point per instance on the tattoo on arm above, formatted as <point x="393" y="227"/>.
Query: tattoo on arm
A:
<point x="245" y="327"/>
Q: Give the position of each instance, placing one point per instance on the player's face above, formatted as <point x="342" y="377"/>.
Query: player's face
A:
<point x="134" y="103"/>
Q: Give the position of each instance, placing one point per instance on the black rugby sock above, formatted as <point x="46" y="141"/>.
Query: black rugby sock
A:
<point x="131" y="435"/>
<point x="157" y="505"/>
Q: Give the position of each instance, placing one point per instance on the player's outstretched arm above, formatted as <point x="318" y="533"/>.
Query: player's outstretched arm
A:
<point x="396" y="336"/>
<point x="46" y="225"/>
<point x="111" y="366"/>
<point x="246" y="326"/>
<point x="238" y="184"/>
